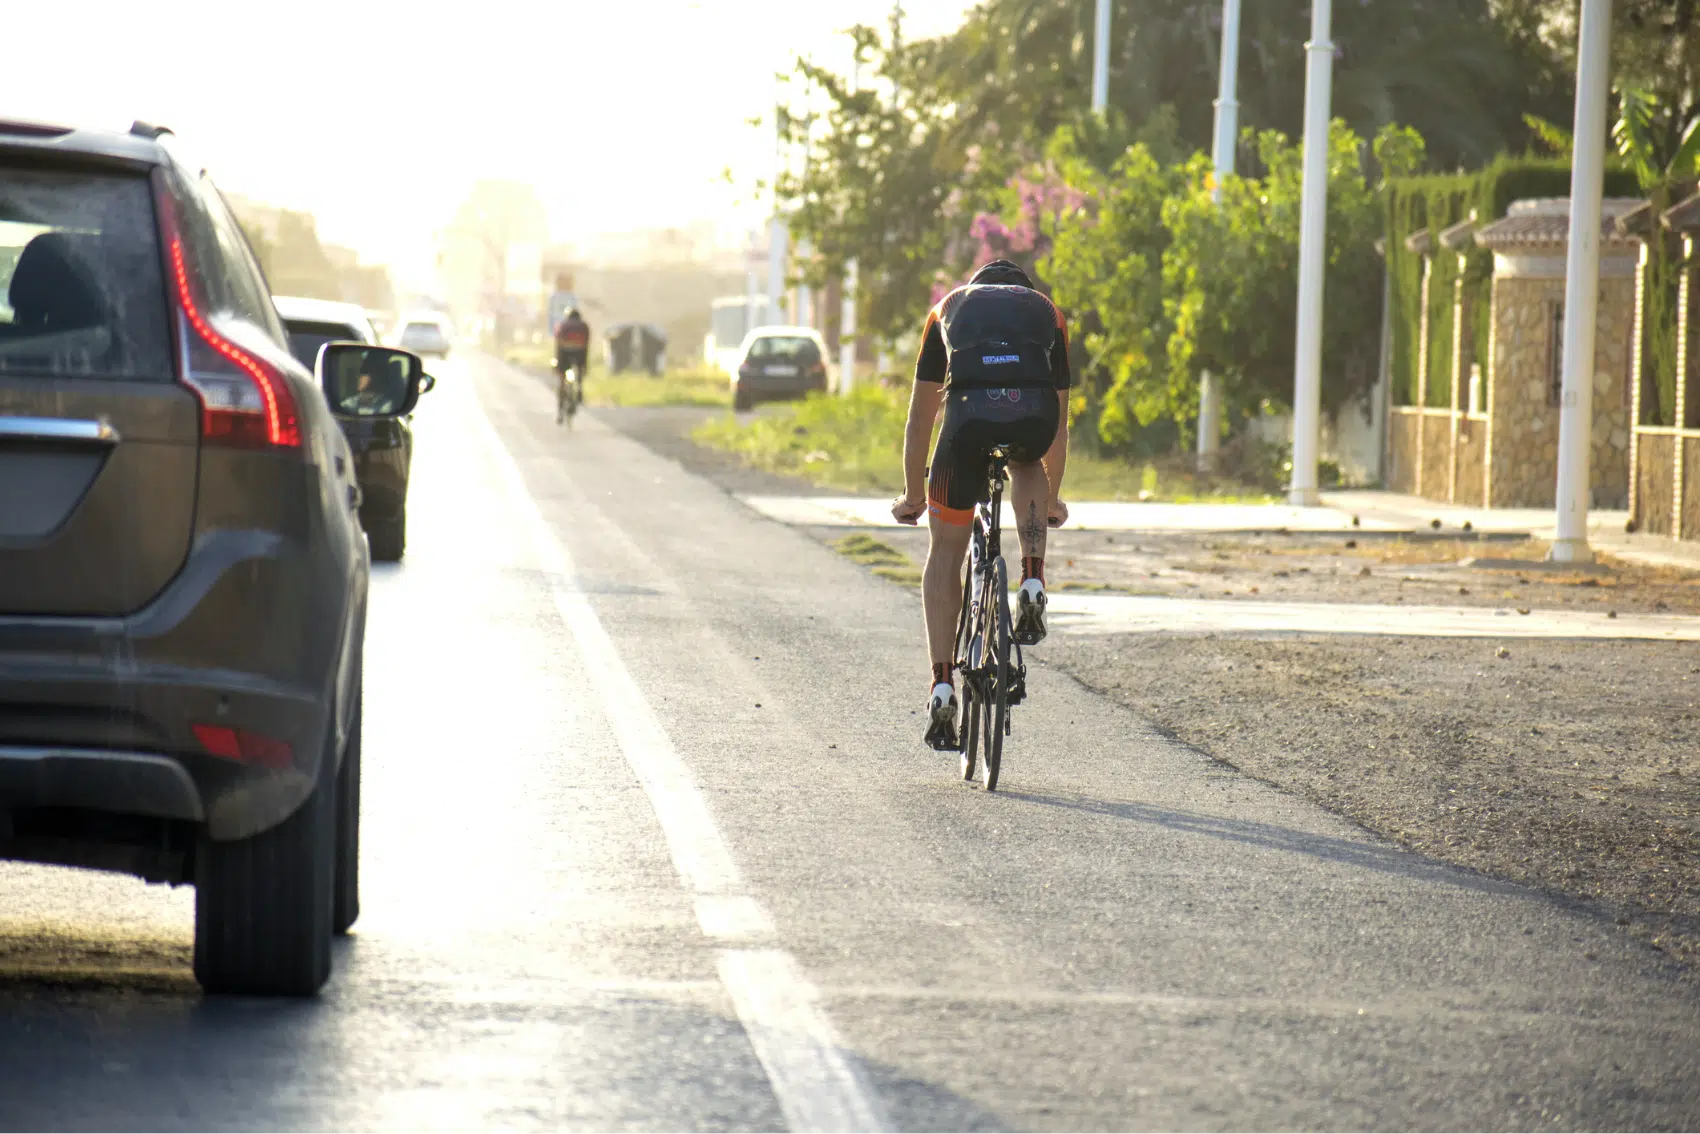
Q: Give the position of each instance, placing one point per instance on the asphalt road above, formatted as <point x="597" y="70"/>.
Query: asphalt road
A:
<point x="651" y="842"/>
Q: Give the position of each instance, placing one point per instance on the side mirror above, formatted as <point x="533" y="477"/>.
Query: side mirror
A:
<point x="361" y="380"/>
<point x="427" y="384"/>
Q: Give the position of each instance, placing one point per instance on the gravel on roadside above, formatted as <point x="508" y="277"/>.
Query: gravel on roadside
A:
<point x="1566" y="765"/>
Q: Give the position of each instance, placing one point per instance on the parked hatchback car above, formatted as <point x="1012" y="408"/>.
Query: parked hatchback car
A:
<point x="183" y="582"/>
<point x="382" y="443"/>
<point x="776" y="363"/>
<point x="424" y="334"/>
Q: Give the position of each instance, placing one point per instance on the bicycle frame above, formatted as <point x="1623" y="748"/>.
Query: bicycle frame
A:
<point x="985" y="548"/>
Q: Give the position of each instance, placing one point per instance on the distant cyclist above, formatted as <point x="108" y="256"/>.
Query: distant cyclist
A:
<point x="994" y="354"/>
<point x="572" y="346"/>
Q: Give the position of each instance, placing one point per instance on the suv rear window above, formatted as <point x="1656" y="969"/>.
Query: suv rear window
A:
<point x="81" y="283"/>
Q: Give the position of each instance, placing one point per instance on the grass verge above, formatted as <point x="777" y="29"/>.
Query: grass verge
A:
<point x="883" y="559"/>
<point x="694" y="386"/>
<point x="855" y="444"/>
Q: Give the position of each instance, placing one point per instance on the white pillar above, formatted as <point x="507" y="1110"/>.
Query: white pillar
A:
<point x="1209" y="420"/>
<point x="777" y="241"/>
<point x="805" y="293"/>
<point x="1101" y="59"/>
<point x="1582" y="284"/>
<point x="847" y="332"/>
<point x="1227" y="131"/>
<point x="1313" y="231"/>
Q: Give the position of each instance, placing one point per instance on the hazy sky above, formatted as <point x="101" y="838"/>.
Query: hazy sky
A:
<point x="378" y="117"/>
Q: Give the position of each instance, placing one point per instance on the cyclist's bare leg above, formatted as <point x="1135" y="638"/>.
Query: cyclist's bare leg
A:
<point x="1030" y="495"/>
<point x="941" y="587"/>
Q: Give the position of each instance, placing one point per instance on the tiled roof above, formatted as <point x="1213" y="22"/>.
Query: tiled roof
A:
<point x="1546" y="222"/>
<point x="1684" y="216"/>
<point x="1458" y="237"/>
<point x="1419" y="242"/>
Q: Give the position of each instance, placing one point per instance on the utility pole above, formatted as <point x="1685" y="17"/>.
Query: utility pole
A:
<point x="1227" y="137"/>
<point x="1582" y="285"/>
<point x="847" y="332"/>
<point x="1101" y="59"/>
<point x="1313" y="231"/>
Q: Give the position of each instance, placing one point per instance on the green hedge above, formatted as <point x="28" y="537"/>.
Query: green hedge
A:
<point x="1435" y="202"/>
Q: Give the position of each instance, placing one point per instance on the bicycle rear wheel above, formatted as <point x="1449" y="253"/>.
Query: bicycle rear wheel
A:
<point x="994" y="713"/>
<point x="561" y="396"/>
<point x="968" y="727"/>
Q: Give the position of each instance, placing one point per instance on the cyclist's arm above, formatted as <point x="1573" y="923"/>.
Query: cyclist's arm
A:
<point x="1056" y="460"/>
<point x="924" y="401"/>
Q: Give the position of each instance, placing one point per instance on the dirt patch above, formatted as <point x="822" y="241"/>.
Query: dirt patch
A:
<point x="1569" y="766"/>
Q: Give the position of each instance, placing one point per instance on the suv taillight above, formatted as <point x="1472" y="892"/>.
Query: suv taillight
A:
<point x="245" y="402"/>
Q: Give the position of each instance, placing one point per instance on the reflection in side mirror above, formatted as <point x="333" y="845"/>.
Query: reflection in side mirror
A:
<point x="360" y="380"/>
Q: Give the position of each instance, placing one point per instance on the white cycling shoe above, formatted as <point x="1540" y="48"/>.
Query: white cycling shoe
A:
<point x="1030" y="613"/>
<point x="941" y="718"/>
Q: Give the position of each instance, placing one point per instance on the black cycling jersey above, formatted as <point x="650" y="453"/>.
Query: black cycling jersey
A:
<point x="995" y="336"/>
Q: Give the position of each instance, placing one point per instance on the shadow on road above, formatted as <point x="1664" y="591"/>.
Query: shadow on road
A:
<point x="1362" y="854"/>
<point x="110" y="1032"/>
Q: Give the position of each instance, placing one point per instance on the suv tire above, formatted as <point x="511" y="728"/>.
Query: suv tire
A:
<point x="741" y="400"/>
<point x="345" y="887"/>
<point x="389" y="539"/>
<point x="263" y="904"/>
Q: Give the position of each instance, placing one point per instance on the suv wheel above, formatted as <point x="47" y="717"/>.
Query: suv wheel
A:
<point x="345" y="888"/>
<point x="263" y="904"/>
<point x="741" y="399"/>
<point x="389" y="539"/>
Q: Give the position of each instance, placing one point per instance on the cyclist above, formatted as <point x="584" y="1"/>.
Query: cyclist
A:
<point x="572" y="346"/>
<point x="994" y="354"/>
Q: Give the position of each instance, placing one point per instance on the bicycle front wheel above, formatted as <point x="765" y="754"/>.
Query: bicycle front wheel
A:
<point x="994" y="713"/>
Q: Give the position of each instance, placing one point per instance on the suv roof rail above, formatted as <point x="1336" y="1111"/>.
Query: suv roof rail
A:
<point x="32" y="129"/>
<point x="148" y="130"/>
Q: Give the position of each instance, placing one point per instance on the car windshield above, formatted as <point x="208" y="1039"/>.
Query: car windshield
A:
<point x="305" y="339"/>
<point x="795" y="349"/>
<point x="81" y="281"/>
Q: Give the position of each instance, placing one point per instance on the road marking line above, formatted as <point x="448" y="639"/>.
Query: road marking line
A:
<point x="782" y="1014"/>
<point x="816" y="1084"/>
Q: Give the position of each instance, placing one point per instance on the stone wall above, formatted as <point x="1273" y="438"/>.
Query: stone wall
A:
<point x="1472" y="465"/>
<point x="1524" y="469"/>
<point x="1653" y="457"/>
<point x="1402" y="449"/>
<point x="1437" y="453"/>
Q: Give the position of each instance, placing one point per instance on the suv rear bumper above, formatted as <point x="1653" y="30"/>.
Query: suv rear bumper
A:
<point x="101" y="714"/>
<point x="131" y="783"/>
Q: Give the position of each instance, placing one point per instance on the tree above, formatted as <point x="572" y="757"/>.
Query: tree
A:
<point x="495" y="216"/>
<point x="908" y="158"/>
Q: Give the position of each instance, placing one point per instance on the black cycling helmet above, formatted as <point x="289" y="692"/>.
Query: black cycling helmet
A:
<point x="1002" y="272"/>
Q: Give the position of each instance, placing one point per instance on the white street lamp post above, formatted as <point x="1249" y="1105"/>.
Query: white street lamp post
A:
<point x="1101" y="59"/>
<point x="1582" y="284"/>
<point x="847" y="332"/>
<point x="1313" y="232"/>
<point x="1227" y="131"/>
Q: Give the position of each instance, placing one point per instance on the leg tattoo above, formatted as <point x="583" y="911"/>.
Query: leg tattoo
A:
<point x="1033" y="532"/>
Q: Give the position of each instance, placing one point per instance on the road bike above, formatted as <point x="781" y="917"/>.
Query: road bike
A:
<point x="569" y="393"/>
<point x="992" y="681"/>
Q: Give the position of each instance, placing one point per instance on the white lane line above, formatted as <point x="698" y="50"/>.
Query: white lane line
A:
<point x="782" y="1026"/>
<point x="817" y="1085"/>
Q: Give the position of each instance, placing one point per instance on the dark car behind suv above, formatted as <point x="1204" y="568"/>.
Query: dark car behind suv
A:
<point x="183" y="578"/>
<point x="382" y="444"/>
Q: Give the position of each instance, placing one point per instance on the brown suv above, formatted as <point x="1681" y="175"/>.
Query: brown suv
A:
<point x="183" y="577"/>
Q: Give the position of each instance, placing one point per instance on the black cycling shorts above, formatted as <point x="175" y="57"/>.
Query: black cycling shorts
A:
<point x="570" y="359"/>
<point x="975" y="420"/>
